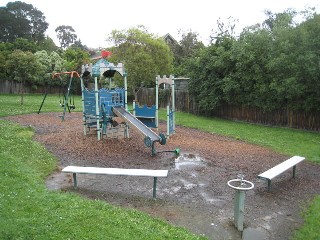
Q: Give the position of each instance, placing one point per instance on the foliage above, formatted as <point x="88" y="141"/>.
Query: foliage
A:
<point x="224" y="30"/>
<point x="3" y="58"/>
<point x="48" y="64"/>
<point x="57" y="62"/>
<point x="24" y="45"/>
<point x="78" y="45"/>
<point x="44" y="61"/>
<point x="207" y="72"/>
<point x="145" y="56"/>
<point x="187" y="48"/>
<point x="21" y="20"/>
<point x="272" y="66"/>
<point x="23" y="67"/>
<point x="66" y="35"/>
<point x="75" y="57"/>
<point x="48" y="45"/>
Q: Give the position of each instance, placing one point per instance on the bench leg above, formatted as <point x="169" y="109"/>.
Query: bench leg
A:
<point x="294" y="171"/>
<point x="154" y="187"/>
<point x="74" y="180"/>
<point x="269" y="185"/>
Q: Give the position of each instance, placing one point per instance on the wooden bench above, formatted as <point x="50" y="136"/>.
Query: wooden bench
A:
<point x="280" y="168"/>
<point x="117" y="171"/>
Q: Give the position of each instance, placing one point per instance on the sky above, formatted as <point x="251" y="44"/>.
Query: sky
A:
<point x="94" y="20"/>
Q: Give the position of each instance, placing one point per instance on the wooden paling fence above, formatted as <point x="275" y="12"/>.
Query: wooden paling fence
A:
<point x="283" y="118"/>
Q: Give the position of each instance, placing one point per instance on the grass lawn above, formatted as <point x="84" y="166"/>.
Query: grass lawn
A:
<point x="29" y="211"/>
<point x="282" y="140"/>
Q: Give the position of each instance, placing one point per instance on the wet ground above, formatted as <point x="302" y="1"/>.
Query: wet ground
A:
<point x="195" y="194"/>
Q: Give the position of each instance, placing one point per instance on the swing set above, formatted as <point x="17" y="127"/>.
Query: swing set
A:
<point x="65" y="99"/>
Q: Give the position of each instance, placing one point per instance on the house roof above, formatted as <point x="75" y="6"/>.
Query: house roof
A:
<point x="169" y="39"/>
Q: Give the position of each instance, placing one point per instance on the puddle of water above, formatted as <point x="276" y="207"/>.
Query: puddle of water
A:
<point x="187" y="160"/>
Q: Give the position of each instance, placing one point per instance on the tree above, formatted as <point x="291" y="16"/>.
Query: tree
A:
<point x="78" y="44"/>
<point x="279" y="21"/>
<point x="208" y="72"/>
<point x="273" y="66"/>
<point x="145" y="56"/>
<point x="187" y="48"/>
<point x="22" y="67"/>
<point x="57" y="62"/>
<point x="66" y="35"/>
<point x="44" y="62"/>
<point x="307" y="60"/>
<point x="25" y="45"/>
<point x="225" y="30"/>
<point x="21" y="20"/>
<point x="74" y="58"/>
<point x="48" y="44"/>
<point x="3" y="58"/>
<point x="48" y="63"/>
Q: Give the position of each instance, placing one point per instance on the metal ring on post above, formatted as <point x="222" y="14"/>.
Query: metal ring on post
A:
<point x="241" y="186"/>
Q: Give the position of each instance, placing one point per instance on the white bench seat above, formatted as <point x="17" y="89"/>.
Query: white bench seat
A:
<point x="280" y="168"/>
<point x="117" y="171"/>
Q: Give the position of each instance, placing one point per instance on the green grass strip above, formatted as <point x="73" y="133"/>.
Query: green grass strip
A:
<point x="11" y="104"/>
<point x="310" y="228"/>
<point x="283" y="140"/>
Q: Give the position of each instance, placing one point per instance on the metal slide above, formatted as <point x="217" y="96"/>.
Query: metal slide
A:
<point x="121" y="112"/>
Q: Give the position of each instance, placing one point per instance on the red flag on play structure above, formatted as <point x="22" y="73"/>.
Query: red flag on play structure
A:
<point x="106" y="54"/>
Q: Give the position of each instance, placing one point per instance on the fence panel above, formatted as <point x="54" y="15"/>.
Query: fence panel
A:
<point x="283" y="118"/>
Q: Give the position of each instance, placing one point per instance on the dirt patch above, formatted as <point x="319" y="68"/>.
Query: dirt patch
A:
<point x="195" y="194"/>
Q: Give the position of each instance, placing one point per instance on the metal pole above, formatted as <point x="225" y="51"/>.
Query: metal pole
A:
<point x="239" y="209"/>
<point x="97" y="107"/>
<point x="83" y="110"/>
<point x="75" y="184"/>
<point x="157" y="102"/>
<point x="134" y="108"/>
<point x="154" y="187"/>
<point x="66" y="100"/>
<point x="125" y="92"/>
<point x="44" y="98"/>
<point x="173" y="105"/>
<point x="168" y="121"/>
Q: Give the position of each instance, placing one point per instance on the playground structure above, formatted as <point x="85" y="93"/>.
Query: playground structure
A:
<point x="170" y="109"/>
<point x="149" y="115"/>
<point x="98" y="103"/>
<point x="65" y="94"/>
<point x="101" y="106"/>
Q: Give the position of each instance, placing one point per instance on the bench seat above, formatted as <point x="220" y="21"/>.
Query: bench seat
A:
<point x="117" y="171"/>
<point x="280" y="168"/>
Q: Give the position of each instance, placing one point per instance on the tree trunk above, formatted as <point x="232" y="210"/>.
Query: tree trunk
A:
<point x="22" y="91"/>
